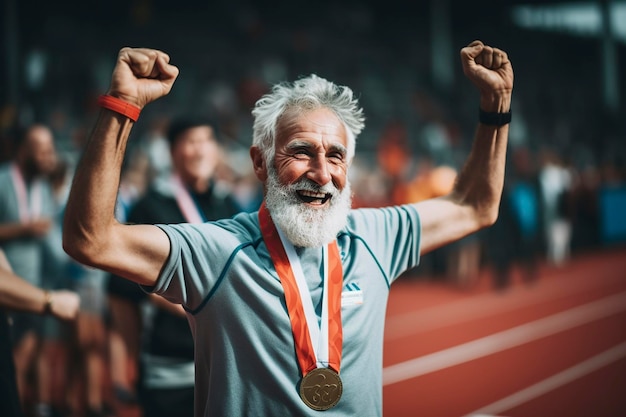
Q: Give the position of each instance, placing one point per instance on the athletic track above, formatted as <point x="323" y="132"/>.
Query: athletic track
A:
<point x="553" y="349"/>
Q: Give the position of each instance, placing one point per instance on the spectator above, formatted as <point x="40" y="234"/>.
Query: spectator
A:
<point x="18" y="294"/>
<point x="516" y="238"/>
<point x="27" y="208"/>
<point x="556" y="184"/>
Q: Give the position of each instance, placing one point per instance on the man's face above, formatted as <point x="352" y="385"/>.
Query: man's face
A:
<point x="307" y="190"/>
<point x="195" y="154"/>
<point x="313" y="146"/>
<point x="38" y="154"/>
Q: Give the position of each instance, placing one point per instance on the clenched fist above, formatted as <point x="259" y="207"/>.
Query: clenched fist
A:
<point x="64" y="304"/>
<point x="142" y="75"/>
<point x="490" y="70"/>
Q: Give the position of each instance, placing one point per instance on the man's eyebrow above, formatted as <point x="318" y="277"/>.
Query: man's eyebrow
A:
<point x="302" y="144"/>
<point x="297" y="144"/>
<point x="337" y="147"/>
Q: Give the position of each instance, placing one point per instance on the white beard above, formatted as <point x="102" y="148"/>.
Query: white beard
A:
<point x="303" y="225"/>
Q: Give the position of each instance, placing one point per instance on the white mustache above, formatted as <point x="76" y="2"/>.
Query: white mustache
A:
<point x="310" y="186"/>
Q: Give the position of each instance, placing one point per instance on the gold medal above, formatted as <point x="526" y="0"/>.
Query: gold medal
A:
<point x="321" y="389"/>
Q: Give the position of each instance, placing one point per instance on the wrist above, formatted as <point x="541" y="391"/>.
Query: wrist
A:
<point x="126" y="97"/>
<point x="119" y="106"/>
<point x="496" y="103"/>
<point x="497" y="119"/>
<point x="47" y="304"/>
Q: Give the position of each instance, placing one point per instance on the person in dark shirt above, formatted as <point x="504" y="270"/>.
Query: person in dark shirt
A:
<point x="188" y="195"/>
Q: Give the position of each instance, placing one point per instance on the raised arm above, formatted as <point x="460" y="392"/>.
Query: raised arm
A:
<point x="91" y="234"/>
<point x="473" y="204"/>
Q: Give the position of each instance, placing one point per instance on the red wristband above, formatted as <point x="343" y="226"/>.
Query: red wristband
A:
<point x="119" y="106"/>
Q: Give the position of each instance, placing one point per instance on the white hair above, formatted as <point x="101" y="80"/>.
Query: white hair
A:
<point x="308" y="93"/>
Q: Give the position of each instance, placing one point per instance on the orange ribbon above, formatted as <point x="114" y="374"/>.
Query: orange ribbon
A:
<point x="304" y="346"/>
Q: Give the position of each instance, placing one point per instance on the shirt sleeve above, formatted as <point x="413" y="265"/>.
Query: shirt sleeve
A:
<point x="198" y="255"/>
<point x="392" y="235"/>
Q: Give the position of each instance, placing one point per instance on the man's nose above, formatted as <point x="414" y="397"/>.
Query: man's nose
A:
<point x="319" y="171"/>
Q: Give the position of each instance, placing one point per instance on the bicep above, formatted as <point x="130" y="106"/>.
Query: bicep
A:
<point x="136" y="252"/>
<point x="444" y="221"/>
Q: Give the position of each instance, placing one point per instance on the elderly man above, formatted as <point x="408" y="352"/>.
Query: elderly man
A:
<point x="286" y="304"/>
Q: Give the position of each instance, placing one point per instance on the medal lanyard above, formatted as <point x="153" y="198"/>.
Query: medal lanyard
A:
<point x="317" y="332"/>
<point x="185" y="202"/>
<point x="316" y="345"/>
<point x="28" y="208"/>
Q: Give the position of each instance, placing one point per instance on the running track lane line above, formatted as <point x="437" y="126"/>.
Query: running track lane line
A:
<point x="506" y="339"/>
<point x="555" y="381"/>
<point x="407" y="324"/>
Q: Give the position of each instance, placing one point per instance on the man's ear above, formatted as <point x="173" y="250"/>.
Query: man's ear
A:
<point x="258" y="163"/>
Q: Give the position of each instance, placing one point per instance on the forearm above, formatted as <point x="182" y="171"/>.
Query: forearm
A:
<point x="473" y="203"/>
<point x="90" y="209"/>
<point x="479" y="184"/>
<point x="18" y="294"/>
<point x="9" y="231"/>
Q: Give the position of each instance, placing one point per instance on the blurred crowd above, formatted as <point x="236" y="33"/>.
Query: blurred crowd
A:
<point x="566" y="167"/>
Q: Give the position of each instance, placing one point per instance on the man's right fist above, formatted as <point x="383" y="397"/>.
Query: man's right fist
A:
<point x="142" y="75"/>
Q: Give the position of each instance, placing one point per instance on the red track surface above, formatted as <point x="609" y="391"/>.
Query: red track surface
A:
<point x="553" y="349"/>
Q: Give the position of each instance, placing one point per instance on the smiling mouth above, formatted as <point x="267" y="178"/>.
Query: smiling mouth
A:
<point x="311" y="197"/>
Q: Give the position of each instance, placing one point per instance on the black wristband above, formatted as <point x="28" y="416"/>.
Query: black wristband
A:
<point x="47" y="307"/>
<point x="494" y="119"/>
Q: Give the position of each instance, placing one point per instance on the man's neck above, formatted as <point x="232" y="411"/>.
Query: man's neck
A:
<point x="198" y="186"/>
<point x="26" y="173"/>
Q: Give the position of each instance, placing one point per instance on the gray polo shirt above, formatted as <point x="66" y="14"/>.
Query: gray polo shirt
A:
<point x="246" y="363"/>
